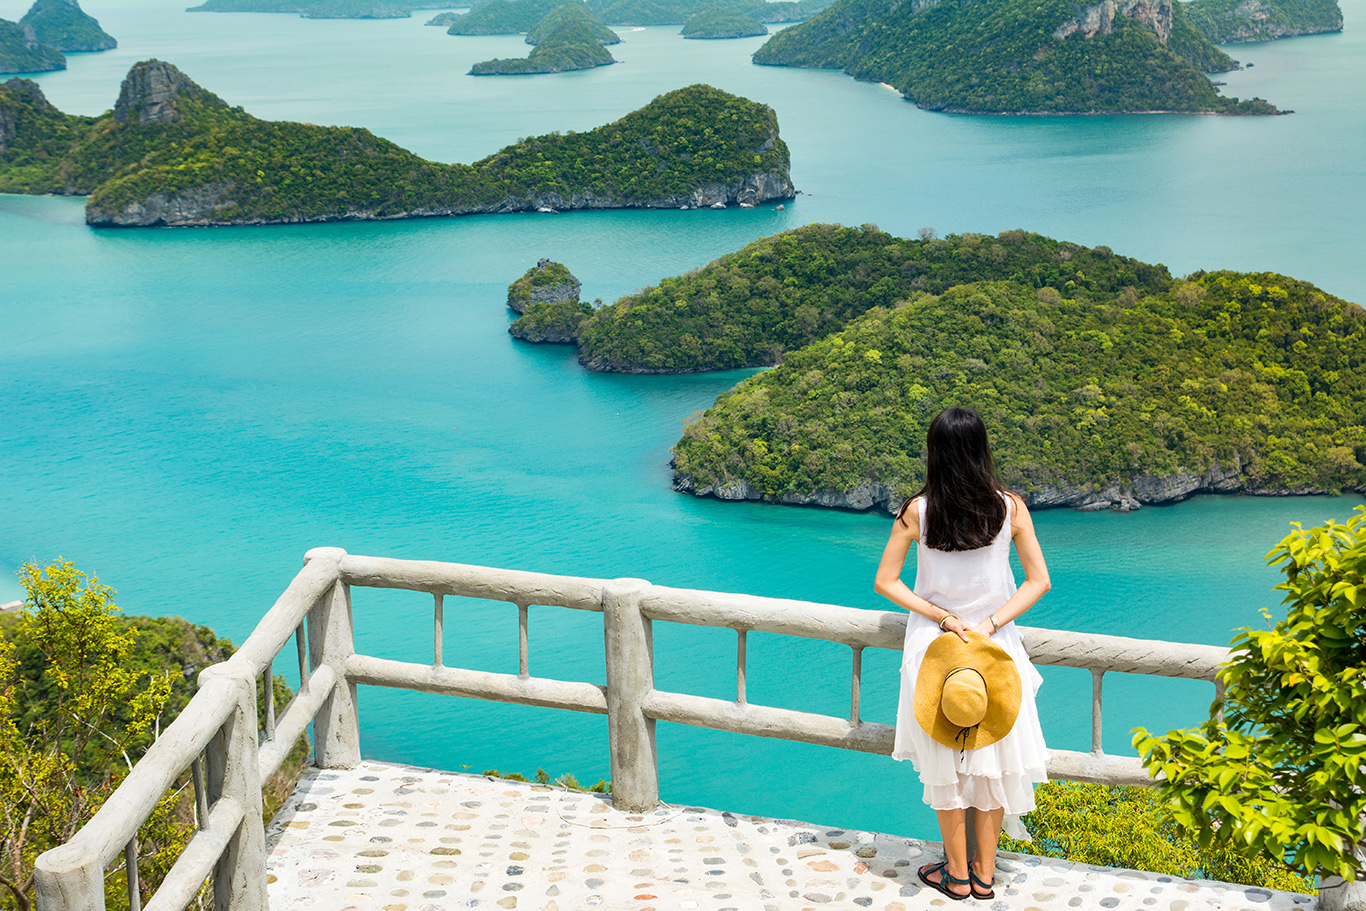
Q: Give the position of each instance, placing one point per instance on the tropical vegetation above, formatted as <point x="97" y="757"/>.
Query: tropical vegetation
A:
<point x="62" y="24"/>
<point x="22" y="52"/>
<point x="1092" y="370"/>
<point x="1226" y="21"/>
<point x="1015" y="56"/>
<point x="722" y="23"/>
<point x="1280" y="766"/>
<point x="1131" y="828"/>
<point x="571" y="12"/>
<point x="571" y="45"/>
<point x="231" y="167"/>
<point x="84" y="692"/>
<point x="504" y="17"/>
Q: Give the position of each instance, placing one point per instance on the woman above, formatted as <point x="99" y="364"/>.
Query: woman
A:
<point x="964" y="522"/>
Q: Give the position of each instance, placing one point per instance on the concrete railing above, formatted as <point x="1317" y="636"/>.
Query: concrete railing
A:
<point x="218" y="741"/>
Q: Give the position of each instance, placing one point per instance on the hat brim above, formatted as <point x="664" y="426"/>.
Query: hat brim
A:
<point x="1004" y="691"/>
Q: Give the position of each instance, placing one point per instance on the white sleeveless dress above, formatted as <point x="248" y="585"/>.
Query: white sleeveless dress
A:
<point x="971" y="584"/>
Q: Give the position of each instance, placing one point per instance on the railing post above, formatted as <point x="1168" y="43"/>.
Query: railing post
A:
<point x="69" y="878"/>
<point x="336" y="729"/>
<point x="239" y="878"/>
<point x="630" y="678"/>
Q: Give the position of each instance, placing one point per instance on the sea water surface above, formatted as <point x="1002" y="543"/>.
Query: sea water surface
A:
<point x="186" y="412"/>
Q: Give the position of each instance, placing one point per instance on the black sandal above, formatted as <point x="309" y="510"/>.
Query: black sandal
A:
<point x="986" y="893"/>
<point x="946" y="877"/>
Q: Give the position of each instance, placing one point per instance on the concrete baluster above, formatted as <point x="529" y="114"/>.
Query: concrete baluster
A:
<point x="630" y="678"/>
<point x="336" y="729"/>
<point x="239" y="878"/>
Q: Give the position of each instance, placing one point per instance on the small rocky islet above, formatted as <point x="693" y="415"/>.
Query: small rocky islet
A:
<point x="565" y="39"/>
<point x="173" y="153"/>
<point x="1107" y="382"/>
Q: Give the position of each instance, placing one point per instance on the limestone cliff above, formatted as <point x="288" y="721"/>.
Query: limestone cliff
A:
<point x="150" y="93"/>
<point x="1098" y="19"/>
<point x="544" y="282"/>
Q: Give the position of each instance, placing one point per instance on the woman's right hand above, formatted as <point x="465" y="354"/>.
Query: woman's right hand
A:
<point x="954" y="625"/>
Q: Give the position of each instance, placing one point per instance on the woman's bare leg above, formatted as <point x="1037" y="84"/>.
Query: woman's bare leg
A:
<point x="953" y="827"/>
<point x="988" y="832"/>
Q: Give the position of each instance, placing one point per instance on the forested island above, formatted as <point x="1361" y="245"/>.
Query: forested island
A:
<point x="1019" y="56"/>
<point x="721" y="23"/>
<point x="62" y="24"/>
<point x="22" y="52"/>
<point x="172" y="153"/>
<point x="511" y="17"/>
<point x="1229" y="21"/>
<point x="566" y="38"/>
<point x="1105" y="381"/>
<point x="320" y="9"/>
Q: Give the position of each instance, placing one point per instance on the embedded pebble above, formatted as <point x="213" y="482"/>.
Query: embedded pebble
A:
<point x="555" y="850"/>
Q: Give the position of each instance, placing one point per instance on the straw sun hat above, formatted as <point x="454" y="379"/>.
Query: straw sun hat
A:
<point x="967" y="694"/>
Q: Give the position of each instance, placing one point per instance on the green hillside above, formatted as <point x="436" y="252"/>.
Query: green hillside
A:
<point x="315" y="9"/>
<point x="571" y="12"/>
<point x="22" y="52"/>
<point x="173" y="153"/>
<point x="571" y="45"/>
<point x="504" y="17"/>
<point x="63" y="25"/>
<point x="1015" y="56"/>
<point x="721" y="23"/>
<point x="1249" y="381"/>
<point x="1226" y="21"/>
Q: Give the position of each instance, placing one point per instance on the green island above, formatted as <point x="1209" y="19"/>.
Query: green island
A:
<point x="571" y="45"/>
<point x="172" y="153"/>
<point x="504" y="17"/>
<point x="22" y="52"/>
<point x="1116" y="389"/>
<point x="1230" y="21"/>
<point x="1105" y="381"/>
<point x="722" y="23"/>
<point x="677" y="12"/>
<point x="64" y="25"/>
<point x="318" y="9"/>
<point x="571" y="12"/>
<point x="547" y="299"/>
<point x="1018" y="56"/>
<point x="444" y="20"/>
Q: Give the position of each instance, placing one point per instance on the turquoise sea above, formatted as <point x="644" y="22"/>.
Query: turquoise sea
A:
<point x="186" y="412"/>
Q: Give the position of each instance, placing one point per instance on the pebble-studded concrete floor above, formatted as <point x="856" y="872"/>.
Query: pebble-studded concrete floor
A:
<point x="395" y="838"/>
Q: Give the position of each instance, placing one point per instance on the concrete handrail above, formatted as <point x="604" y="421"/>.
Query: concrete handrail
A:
<point x="317" y="602"/>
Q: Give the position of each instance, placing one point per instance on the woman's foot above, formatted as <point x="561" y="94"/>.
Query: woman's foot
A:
<point x="937" y="876"/>
<point x="980" y="883"/>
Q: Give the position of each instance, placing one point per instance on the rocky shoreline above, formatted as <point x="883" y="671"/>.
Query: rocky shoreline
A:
<point x="198" y="207"/>
<point x="1146" y="490"/>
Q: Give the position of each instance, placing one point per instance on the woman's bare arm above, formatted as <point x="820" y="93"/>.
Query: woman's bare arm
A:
<point x="1036" y="583"/>
<point x="888" y="583"/>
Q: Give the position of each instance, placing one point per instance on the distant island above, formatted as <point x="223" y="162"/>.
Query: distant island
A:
<point x="511" y="17"/>
<point x="62" y="24"/>
<point x="172" y="153"/>
<point x="722" y="23"/>
<point x="571" y="12"/>
<point x="1106" y="382"/>
<point x="320" y="9"/>
<point x="570" y="45"/>
<point x="22" y="52"/>
<point x="1019" y="56"/>
<point x="444" y="20"/>
<point x="1230" y="21"/>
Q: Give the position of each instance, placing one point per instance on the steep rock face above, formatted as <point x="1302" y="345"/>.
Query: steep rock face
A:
<point x="1098" y="19"/>
<point x="22" y="52"/>
<point x="1146" y="490"/>
<point x="26" y="91"/>
<point x="546" y="282"/>
<point x="64" y="25"/>
<point x="187" y="208"/>
<point x="149" y="93"/>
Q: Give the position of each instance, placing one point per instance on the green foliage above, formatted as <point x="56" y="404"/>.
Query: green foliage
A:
<point x="721" y="23"/>
<point x="1098" y="387"/>
<point x="315" y="9"/>
<point x="552" y="321"/>
<point x="241" y="170"/>
<point x="504" y="17"/>
<point x="1225" y="21"/>
<point x="63" y="25"/>
<point x="1282" y="771"/>
<point x="547" y="280"/>
<point x="566" y="781"/>
<point x="782" y="292"/>
<point x="1004" y="57"/>
<point x="1131" y="828"/>
<point x="571" y="12"/>
<point x="1187" y="41"/>
<point x="677" y="12"/>
<point x="22" y="52"/>
<point x="571" y="45"/>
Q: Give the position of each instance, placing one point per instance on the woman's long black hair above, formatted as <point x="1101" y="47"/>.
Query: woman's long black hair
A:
<point x="963" y="505"/>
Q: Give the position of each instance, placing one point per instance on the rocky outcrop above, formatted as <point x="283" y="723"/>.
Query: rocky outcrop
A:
<point x="149" y="93"/>
<point x="1148" y="490"/>
<point x="546" y="282"/>
<point x="1099" y="18"/>
<point x="25" y="91"/>
<point x="64" y="25"/>
<point x="185" y="208"/>
<point x="22" y="52"/>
